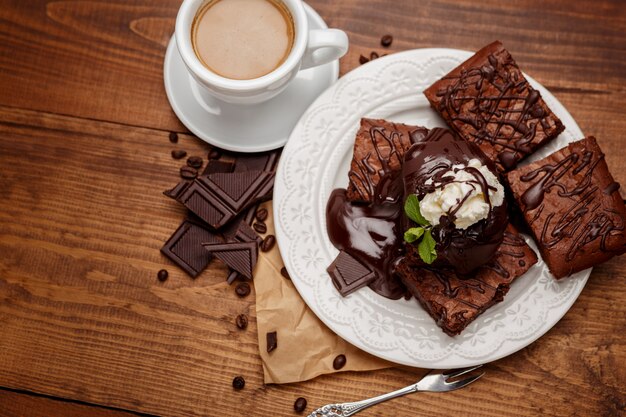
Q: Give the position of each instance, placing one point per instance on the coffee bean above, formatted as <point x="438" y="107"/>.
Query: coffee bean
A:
<point x="284" y="273"/>
<point x="300" y="405"/>
<point x="268" y="243"/>
<point x="242" y="289"/>
<point x="178" y="154"/>
<point x="188" y="173"/>
<point x="363" y="60"/>
<point x="339" y="362"/>
<point x="214" y="154"/>
<point x="272" y="341"/>
<point x="162" y="275"/>
<point x="374" y="55"/>
<point x="241" y="321"/>
<point x="260" y="227"/>
<point x="194" y="162"/>
<point x="386" y="40"/>
<point x="173" y="137"/>
<point x="261" y="214"/>
<point x="239" y="382"/>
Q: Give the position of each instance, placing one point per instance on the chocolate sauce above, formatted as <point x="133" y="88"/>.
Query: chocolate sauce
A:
<point x="371" y="233"/>
<point x="614" y="186"/>
<point x="387" y="144"/>
<point x="507" y="113"/>
<point x="584" y="220"/>
<point x="425" y="167"/>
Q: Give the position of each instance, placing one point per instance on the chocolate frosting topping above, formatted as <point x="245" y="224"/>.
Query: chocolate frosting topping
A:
<point x="425" y="167"/>
<point x="371" y="233"/>
<point x="489" y="102"/>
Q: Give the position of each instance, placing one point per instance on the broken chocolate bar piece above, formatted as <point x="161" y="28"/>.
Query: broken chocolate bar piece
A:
<point x="185" y="249"/>
<point x="215" y="166"/>
<point x="379" y="149"/>
<point x="572" y="204"/>
<point x="488" y="101"/>
<point x="218" y="198"/>
<point x="272" y="341"/>
<point x="454" y="301"/>
<point x="239" y="256"/>
<point x="178" y="189"/>
<point x="264" y="161"/>
<point x="232" y="276"/>
<point x="348" y="274"/>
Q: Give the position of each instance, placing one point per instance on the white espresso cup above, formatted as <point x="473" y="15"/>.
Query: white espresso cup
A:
<point x="310" y="48"/>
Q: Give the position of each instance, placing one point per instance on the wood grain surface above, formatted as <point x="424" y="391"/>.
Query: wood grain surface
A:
<point x="84" y="156"/>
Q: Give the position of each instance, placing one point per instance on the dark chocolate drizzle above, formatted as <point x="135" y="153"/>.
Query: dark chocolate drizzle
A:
<point x="512" y="246"/>
<point x="509" y="120"/>
<point x="611" y="188"/>
<point x="361" y="178"/>
<point x="584" y="220"/>
<point x="371" y="233"/>
<point x="431" y="159"/>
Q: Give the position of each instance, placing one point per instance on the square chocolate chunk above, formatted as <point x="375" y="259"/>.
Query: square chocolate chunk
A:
<point x="185" y="248"/>
<point x="487" y="100"/>
<point x="454" y="302"/>
<point x="573" y="207"/>
<point x="379" y="148"/>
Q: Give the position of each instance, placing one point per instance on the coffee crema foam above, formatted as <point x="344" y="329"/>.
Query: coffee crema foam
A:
<point x="242" y="39"/>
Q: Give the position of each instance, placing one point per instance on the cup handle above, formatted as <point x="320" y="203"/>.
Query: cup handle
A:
<point x="325" y="45"/>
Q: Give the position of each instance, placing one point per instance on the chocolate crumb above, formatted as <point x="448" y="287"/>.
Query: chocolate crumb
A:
<point x="173" y="137"/>
<point x="363" y="60"/>
<point x="386" y="40"/>
<point x="215" y="154"/>
<point x="284" y="273"/>
<point x="300" y="405"/>
<point x="239" y="382"/>
<point x="162" y="275"/>
<point x="272" y="341"/>
<point x="195" y="162"/>
<point x="374" y="55"/>
<point x="268" y="243"/>
<point x="260" y="227"/>
<point x="188" y="173"/>
<point x="178" y="154"/>
<point x="242" y="289"/>
<point x="241" y="321"/>
<point x="261" y="214"/>
<point x="339" y="362"/>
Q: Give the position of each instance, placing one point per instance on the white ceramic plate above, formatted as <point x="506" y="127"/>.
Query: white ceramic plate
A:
<point x="316" y="160"/>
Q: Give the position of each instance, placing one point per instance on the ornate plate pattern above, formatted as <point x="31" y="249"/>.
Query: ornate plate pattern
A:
<point x="316" y="160"/>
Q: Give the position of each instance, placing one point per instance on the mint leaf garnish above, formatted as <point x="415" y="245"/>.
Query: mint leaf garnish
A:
<point x="413" y="234"/>
<point x="412" y="210"/>
<point x="426" y="248"/>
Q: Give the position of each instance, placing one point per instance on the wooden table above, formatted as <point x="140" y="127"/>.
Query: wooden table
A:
<point x="85" y="327"/>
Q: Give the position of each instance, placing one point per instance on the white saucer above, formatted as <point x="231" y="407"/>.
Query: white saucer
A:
<point x="253" y="128"/>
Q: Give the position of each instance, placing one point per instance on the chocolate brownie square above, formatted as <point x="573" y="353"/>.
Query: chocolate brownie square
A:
<point x="572" y="206"/>
<point x="454" y="302"/>
<point x="487" y="100"/>
<point x="379" y="148"/>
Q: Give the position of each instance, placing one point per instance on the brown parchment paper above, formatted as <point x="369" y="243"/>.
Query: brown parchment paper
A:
<point x="306" y="347"/>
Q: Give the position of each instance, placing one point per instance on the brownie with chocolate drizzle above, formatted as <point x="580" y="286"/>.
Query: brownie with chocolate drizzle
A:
<point x="379" y="150"/>
<point x="573" y="207"/>
<point x="454" y="302"/>
<point x="488" y="101"/>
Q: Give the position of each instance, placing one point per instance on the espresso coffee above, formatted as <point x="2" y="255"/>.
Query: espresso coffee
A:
<point x="242" y="39"/>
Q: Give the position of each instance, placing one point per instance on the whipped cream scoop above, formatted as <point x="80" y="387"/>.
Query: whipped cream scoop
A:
<point x="468" y="192"/>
